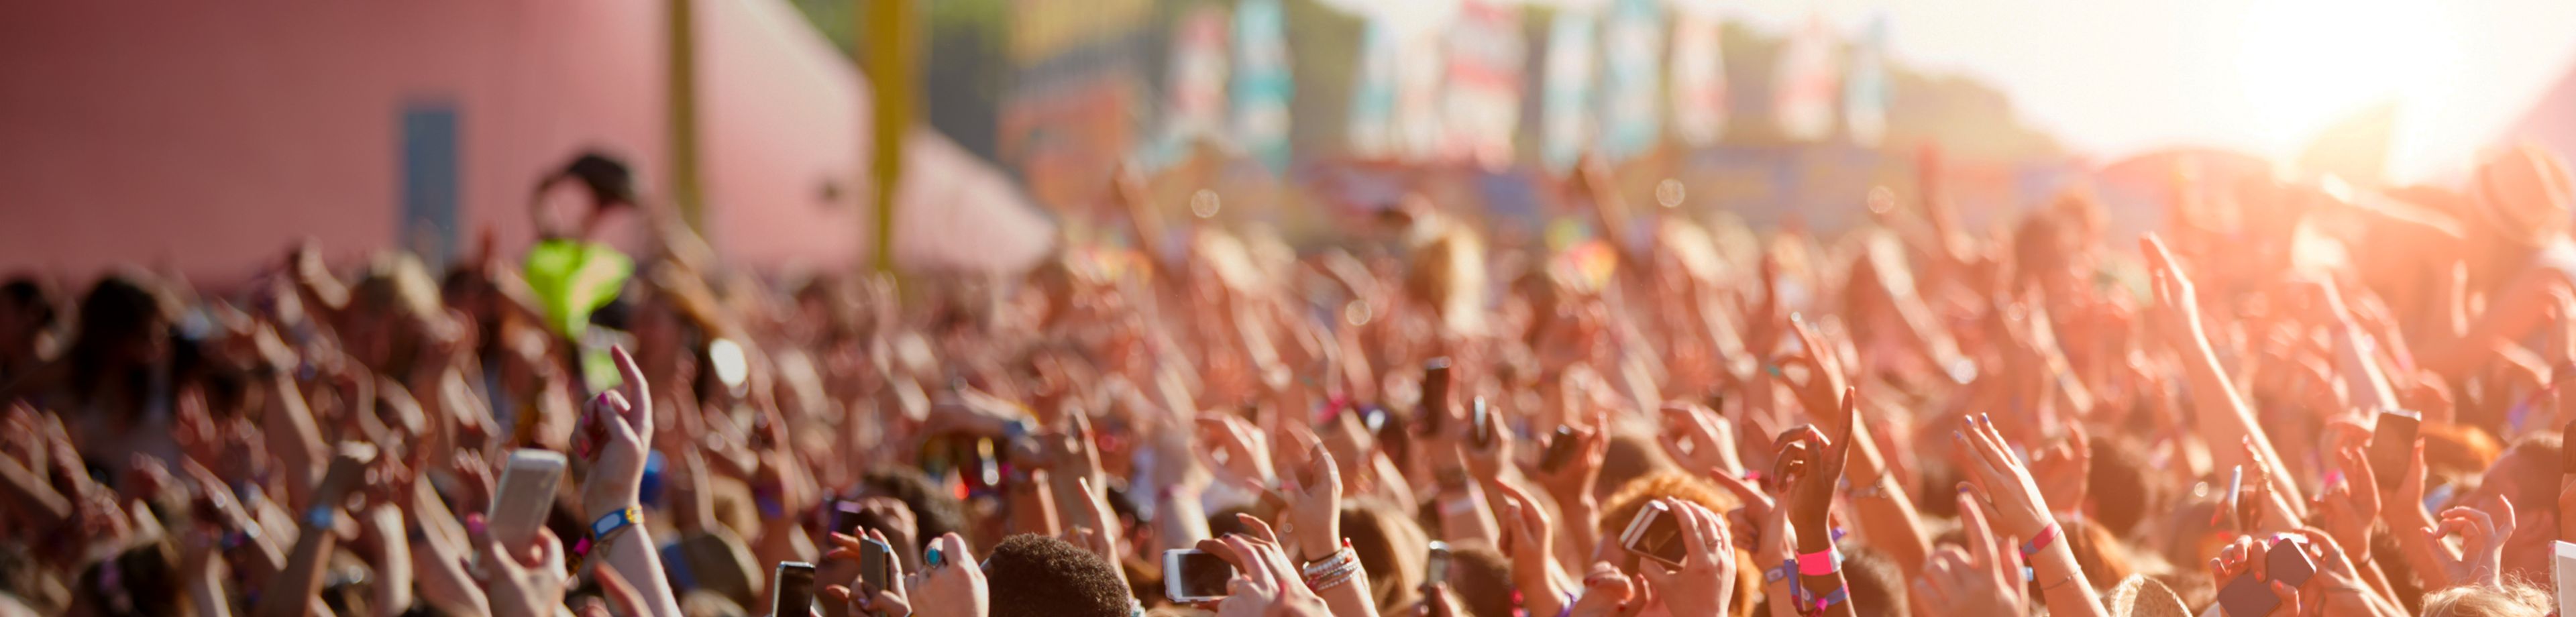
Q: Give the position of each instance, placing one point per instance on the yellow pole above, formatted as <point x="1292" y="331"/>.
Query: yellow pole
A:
<point x="888" y="26"/>
<point x="683" y="96"/>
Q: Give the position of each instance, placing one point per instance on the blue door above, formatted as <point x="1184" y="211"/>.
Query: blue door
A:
<point x="428" y="226"/>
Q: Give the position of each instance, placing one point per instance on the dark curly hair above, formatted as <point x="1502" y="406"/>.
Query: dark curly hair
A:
<point x="1031" y="575"/>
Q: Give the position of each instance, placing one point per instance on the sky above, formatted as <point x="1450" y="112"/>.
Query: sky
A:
<point x="2116" y="77"/>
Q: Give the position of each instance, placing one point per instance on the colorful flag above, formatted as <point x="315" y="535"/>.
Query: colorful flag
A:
<point x="1865" y="88"/>
<point x="1803" y="93"/>
<point x="1482" y="104"/>
<point x="1698" y="79"/>
<point x="1262" y="83"/>
<point x="1565" y="122"/>
<point x="1631" y="86"/>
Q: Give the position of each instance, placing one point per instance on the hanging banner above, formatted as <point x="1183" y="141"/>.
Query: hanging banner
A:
<point x="1565" y="121"/>
<point x="1372" y="120"/>
<point x="1482" y="105"/>
<point x="1262" y="83"/>
<point x="1865" y="87"/>
<point x="1803" y="94"/>
<point x="1631" y="82"/>
<point x="1698" y="79"/>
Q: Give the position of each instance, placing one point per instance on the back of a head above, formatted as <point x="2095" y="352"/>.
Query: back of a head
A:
<point x="1031" y="575"/>
<point x="2512" y="600"/>
<point x="1481" y="579"/>
<point x="1391" y="548"/>
<point x="1877" y="586"/>
<point x="934" y="513"/>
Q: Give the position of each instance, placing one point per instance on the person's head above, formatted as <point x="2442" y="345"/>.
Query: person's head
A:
<point x="1481" y="579"/>
<point x="2125" y="485"/>
<point x="1630" y="456"/>
<point x="1030" y="575"/>
<point x="935" y="512"/>
<point x="1623" y="505"/>
<point x="2520" y="196"/>
<point x="1877" y="586"/>
<point x="2100" y="555"/>
<point x="604" y="181"/>
<point x="2528" y="475"/>
<point x="1391" y="548"/>
<point x="26" y="313"/>
<point x="392" y="310"/>
<point x="124" y="322"/>
<point x="2509" y="600"/>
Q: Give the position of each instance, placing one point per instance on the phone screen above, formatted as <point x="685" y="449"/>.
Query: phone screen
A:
<point x="2392" y="446"/>
<point x="2245" y="596"/>
<point x="1484" y="424"/>
<point x="795" y="595"/>
<point x="1199" y="575"/>
<point x="1560" y="450"/>
<point x="2287" y="561"/>
<point x="1435" y="392"/>
<point x="1435" y="569"/>
<point x="1656" y="534"/>
<point x="875" y="562"/>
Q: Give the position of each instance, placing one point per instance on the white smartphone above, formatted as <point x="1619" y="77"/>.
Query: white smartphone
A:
<point x="1192" y="575"/>
<point x="526" y="496"/>
<point x="1655" y="534"/>
<point x="2563" y="567"/>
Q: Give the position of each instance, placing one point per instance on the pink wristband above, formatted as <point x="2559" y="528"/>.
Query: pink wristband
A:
<point x="1819" y="563"/>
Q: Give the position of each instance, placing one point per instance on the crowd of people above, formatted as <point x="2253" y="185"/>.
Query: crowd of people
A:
<point x="1422" y="417"/>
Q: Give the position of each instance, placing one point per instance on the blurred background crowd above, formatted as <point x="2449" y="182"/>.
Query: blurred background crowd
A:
<point x="1625" y="307"/>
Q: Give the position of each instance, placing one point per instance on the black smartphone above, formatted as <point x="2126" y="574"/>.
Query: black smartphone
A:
<point x="846" y="516"/>
<point x="1481" y="420"/>
<point x="1435" y="393"/>
<point x="2392" y="446"/>
<point x="795" y="592"/>
<point x="1655" y="534"/>
<point x="2287" y="560"/>
<point x="1560" y="450"/>
<point x="2566" y="455"/>
<point x="2247" y="597"/>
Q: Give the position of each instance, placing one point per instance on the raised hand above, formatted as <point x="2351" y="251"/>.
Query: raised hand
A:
<point x="2000" y="481"/>
<point x="2481" y="558"/>
<point x="1237" y="450"/>
<point x="1985" y="579"/>
<point x="617" y="424"/>
<point x="1264" y="583"/>
<point x="1575" y="480"/>
<point x="2350" y="501"/>
<point x="518" y="580"/>
<point x="2062" y="470"/>
<point x="1607" y="593"/>
<point x="1312" y="522"/>
<point x="1529" y="538"/>
<point x="949" y="586"/>
<point x="1818" y="475"/>
<point x="2179" y="308"/>
<point x="1705" y="582"/>
<point x="1698" y="438"/>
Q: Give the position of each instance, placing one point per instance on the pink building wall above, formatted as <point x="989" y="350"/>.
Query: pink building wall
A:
<point x="209" y="136"/>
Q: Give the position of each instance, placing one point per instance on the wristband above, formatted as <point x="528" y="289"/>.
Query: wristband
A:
<point x="2039" y="542"/>
<point x="616" y="521"/>
<point x="1781" y="573"/>
<point x="1819" y="563"/>
<point x="322" y="516"/>
<point x="1818" y="605"/>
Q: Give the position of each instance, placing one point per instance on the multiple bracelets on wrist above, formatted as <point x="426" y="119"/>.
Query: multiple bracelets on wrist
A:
<point x="1334" y="570"/>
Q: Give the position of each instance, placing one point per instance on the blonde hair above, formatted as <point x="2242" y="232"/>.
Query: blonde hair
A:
<point x="2505" y="600"/>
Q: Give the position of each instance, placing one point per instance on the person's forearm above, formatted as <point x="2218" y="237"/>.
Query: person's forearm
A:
<point x="1031" y="504"/>
<point x="1886" y="514"/>
<point x="2224" y="418"/>
<point x="1350" y="599"/>
<point x="2062" y="584"/>
<point x="29" y="496"/>
<point x="632" y="554"/>
<point x="293" y="438"/>
<point x="1183" y="521"/>
<point x="301" y="579"/>
<point x="207" y="594"/>
<point x="393" y="563"/>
